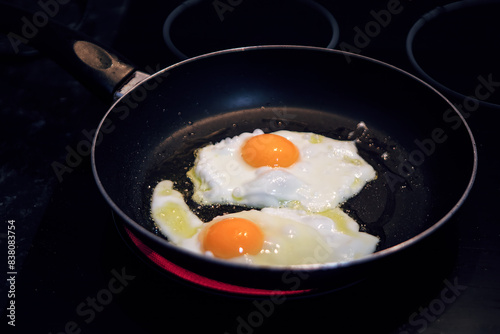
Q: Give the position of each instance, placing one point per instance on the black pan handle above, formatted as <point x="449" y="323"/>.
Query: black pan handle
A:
<point x="101" y="71"/>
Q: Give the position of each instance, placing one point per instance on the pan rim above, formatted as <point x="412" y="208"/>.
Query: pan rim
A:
<point x="303" y="267"/>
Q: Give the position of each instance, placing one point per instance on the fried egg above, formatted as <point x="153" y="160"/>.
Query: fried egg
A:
<point x="267" y="237"/>
<point x="281" y="169"/>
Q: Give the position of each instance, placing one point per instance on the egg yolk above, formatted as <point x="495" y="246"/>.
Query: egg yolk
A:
<point x="233" y="237"/>
<point x="269" y="150"/>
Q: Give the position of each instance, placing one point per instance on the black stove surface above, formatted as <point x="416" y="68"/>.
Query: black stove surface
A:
<point x="74" y="272"/>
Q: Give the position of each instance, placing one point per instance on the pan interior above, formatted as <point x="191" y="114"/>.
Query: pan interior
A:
<point x="380" y="208"/>
<point x="415" y="141"/>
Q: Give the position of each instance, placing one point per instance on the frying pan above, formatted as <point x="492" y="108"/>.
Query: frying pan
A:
<point x="421" y="147"/>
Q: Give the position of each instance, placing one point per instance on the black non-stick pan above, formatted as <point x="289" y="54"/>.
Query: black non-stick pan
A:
<point x="421" y="147"/>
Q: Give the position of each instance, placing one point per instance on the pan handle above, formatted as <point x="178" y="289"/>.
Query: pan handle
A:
<point x="101" y="71"/>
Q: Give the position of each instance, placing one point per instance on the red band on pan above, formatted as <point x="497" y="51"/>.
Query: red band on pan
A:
<point x="201" y="280"/>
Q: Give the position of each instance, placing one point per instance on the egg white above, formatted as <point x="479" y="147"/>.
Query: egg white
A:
<point x="295" y="237"/>
<point x="291" y="237"/>
<point x="172" y="215"/>
<point x="327" y="173"/>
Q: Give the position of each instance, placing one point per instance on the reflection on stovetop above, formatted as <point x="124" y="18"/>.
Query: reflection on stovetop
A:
<point x="76" y="272"/>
